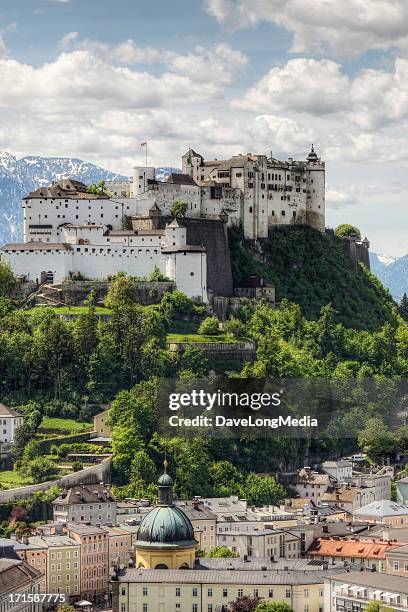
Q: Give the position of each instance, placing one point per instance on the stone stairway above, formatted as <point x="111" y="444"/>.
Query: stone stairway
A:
<point x="48" y="295"/>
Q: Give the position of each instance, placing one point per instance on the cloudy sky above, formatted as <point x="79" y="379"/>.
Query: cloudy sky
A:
<point x="95" y="78"/>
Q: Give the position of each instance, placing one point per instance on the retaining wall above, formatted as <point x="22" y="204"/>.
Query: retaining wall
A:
<point x="92" y="474"/>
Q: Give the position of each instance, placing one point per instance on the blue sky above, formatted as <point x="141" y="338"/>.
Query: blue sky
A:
<point x="94" y="78"/>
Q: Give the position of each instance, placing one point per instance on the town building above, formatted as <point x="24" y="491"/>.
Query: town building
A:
<point x="342" y="471"/>
<point x="216" y="582"/>
<point x="308" y="483"/>
<point x="397" y="561"/>
<point x="203" y="520"/>
<point x="262" y="542"/>
<point x="19" y="586"/>
<point x="370" y="554"/>
<point x="63" y="562"/>
<point x="386" y="512"/>
<point x="120" y="550"/>
<point x="93" y="543"/>
<point x="85" y="503"/>
<point x="353" y="591"/>
<point x="10" y="420"/>
<point x="348" y="497"/>
<point x="100" y="424"/>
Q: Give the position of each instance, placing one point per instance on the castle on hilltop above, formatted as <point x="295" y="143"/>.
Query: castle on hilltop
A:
<point x="129" y="226"/>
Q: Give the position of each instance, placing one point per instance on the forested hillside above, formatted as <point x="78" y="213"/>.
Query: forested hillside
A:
<point x="58" y="368"/>
<point x="312" y="270"/>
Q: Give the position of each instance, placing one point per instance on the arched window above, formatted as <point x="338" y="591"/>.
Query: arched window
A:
<point x="161" y="566"/>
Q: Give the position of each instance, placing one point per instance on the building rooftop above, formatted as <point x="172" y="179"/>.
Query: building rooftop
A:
<point x="374" y="579"/>
<point x="336" y="464"/>
<point x="195" y="510"/>
<point x="15" y="575"/>
<point x="342" y="494"/>
<point x="84" y="529"/>
<point x="51" y="541"/>
<point x="335" y="547"/>
<point x="181" y="179"/>
<point x="65" y="188"/>
<point x="37" y="246"/>
<point x="383" y="508"/>
<point x="261" y="563"/>
<point x="5" y="411"/>
<point x="217" y="576"/>
<point x="85" y="494"/>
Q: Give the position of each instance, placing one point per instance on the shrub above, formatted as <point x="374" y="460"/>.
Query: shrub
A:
<point x="209" y="326"/>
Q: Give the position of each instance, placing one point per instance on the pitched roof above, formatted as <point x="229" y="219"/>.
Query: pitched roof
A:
<point x="181" y="179"/>
<point x="5" y="411"/>
<point x="375" y="579"/>
<point x="363" y="549"/>
<point x="37" y="246"/>
<point x="65" y="188"/>
<point x="383" y="508"/>
<point x="16" y="574"/>
<point x="85" y="494"/>
<point x="343" y="493"/>
<point x="210" y="576"/>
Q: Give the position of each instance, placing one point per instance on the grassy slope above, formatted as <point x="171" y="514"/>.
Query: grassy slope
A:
<point x="64" y="425"/>
<point x="312" y="270"/>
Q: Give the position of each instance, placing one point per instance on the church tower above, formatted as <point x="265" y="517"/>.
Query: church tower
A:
<point x="166" y="536"/>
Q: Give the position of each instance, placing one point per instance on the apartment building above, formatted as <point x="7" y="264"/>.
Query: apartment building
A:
<point x="353" y="591"/>
<point x="85" y="503"/>
<point x="93" y="543"/>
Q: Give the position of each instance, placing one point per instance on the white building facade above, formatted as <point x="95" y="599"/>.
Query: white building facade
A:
<point x="10" y="420"/>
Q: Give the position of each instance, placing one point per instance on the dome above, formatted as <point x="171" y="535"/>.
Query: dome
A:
<point x="165" y="480"/>
<point x="166" y="527"/>
<point x="312" y="155"/>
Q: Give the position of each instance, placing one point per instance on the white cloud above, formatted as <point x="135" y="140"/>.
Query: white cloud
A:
<point x="219" y="64"/>
<point x="303" y="86"/>
<point x="371" y="100"/>
<point x="348" y="27"/>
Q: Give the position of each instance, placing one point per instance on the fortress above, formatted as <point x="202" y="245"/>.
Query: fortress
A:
<point x="129" y="227"/>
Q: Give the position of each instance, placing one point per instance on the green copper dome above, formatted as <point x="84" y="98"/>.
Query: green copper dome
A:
<point x="166" y="527"/>
<point x="165" y="480"/>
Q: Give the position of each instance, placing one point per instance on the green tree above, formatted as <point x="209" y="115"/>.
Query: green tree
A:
<point x="142" y="469"/>
<point x="234" y="327"/>
<point x="209" y="326"/>
<point x="97" y="188"/>
<point x="221" y="552"/>
<point x="244" y="604"/>
<point x="121" y="291"/>
<point x="345" y="230"/>
<point x="179" y="208"/>
<point x="274" y="606"/>
<point x="39" y="470"/>
<point x="7" y="280"/>
<point x="157" y="276"/>
<point x="376" y="440"/>
<point x="32" y="450"/>
<point x="262" y="490"/>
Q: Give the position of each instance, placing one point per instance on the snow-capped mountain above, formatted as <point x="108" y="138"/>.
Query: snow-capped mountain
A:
<point x="20" y="176"/>
<point x="392" y="272"/>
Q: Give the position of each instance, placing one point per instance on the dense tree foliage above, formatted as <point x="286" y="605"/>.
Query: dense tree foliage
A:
<point x="313" y="270"/>
<point x="345" y="230"/>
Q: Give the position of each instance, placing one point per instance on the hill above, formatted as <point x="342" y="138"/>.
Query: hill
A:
<point x="312" y="270"/>
<point x="20" y="176"/>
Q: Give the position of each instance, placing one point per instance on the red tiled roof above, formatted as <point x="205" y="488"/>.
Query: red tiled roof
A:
<point x="336" y="547"/>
